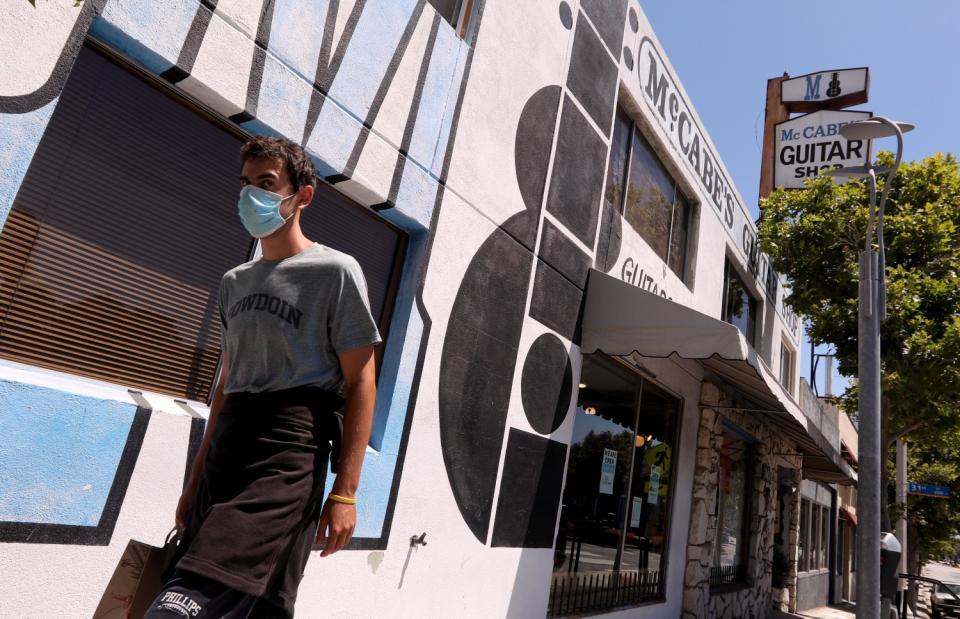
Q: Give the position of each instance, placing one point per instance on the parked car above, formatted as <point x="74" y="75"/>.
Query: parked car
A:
<point x="943" y="603"/>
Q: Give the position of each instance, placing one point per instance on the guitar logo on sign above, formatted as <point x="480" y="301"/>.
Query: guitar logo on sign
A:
<point x="833" y="88"/>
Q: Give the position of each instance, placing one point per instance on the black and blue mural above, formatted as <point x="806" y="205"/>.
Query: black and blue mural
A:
<point x="358" y="83"/>
<point x="330" y="76"/>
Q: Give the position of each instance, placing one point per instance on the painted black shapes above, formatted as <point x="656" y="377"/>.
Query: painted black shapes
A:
<point x="546" y="383"/>
<point x="530" y="492"/>
<point x="628" y="57"/>
<point x="560" y="252"/>
<point x="556" y="302"/>
<point x="481" y="346"/>
<point x="479" y="356"/>
<point x="191" y="44"/>
<point x="607" y="16"/>
<point x="577" y="178"/>
<point x="566" y="16"/>
<point x="593" y="75"/>
<point x="559" y="282"/>
<point x="531" y="153"/>
<point x="21" y="104"/>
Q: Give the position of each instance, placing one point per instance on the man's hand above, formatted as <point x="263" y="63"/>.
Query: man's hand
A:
<point x="185" y="503"/>
<point x="337" y="521"/>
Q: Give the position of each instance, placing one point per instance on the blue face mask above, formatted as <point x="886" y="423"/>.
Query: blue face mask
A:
<point x="259" y="211"/>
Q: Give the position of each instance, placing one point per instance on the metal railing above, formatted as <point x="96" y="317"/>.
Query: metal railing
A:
<point x="594" y="591"/>
<point x="727" y="575"/>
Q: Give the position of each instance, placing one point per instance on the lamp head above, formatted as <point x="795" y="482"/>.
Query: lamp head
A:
<point x="871" y="129"/>
<point x="857" y="171"/>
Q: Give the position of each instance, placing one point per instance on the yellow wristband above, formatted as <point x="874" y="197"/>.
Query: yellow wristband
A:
<point x="336" y="498"/>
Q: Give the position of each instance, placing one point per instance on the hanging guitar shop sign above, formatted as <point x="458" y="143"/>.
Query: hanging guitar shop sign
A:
<point x="833" y="90"/>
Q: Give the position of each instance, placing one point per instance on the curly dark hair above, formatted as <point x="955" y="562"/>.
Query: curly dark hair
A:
<point x="297" y="162"/>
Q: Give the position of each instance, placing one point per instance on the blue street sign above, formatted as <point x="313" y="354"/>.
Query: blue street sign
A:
<point x="940" y="492"/>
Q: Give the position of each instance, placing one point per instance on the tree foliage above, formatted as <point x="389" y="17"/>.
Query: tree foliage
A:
<point x="936" y="520"/>
<point x="814" y="237"/>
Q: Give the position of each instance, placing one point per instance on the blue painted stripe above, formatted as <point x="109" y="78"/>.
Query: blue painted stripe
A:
<point x="59" y="454"/>
<point x="450" y="108"/>
<point x="433" y="101"/>
<point x="296" y="34"/>
<point x="151" y="33"/>
<point x="415" y="197"/>
<point x="19" y="137"/>
<point x="363" y="68"/>
<point x="283" y="102"/>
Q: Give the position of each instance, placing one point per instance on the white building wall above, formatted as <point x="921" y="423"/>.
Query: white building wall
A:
<point x="475" y="125"/>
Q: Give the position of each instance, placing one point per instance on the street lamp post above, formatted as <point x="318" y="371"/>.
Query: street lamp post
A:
<point x="872" y="306"/>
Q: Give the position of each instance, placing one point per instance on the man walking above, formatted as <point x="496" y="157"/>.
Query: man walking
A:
<point x="298" y="343"/>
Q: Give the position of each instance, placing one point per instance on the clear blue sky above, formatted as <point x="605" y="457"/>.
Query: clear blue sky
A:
<point x="724" y="52"/>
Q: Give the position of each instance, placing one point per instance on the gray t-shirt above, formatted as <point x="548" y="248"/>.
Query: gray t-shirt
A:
<point x="286" y="321"/>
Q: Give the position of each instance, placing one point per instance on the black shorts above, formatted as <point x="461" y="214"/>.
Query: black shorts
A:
<point x="191" y="595"/>
<point x="256" y="512"/>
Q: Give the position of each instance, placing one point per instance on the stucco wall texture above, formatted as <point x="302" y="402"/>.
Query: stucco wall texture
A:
<point x="491" y="155"/>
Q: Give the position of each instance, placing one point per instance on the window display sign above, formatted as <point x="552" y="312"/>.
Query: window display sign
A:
<point x="608" y="469"/>
<point x="654" y="493"/>
<point x="808" y="144"/>
<point x="635" y="512"/>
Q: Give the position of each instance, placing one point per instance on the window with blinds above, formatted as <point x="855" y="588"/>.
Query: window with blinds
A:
<point x="112" y="254"/>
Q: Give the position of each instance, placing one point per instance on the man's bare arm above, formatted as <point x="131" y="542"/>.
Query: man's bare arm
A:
<point x="338" y="520"/>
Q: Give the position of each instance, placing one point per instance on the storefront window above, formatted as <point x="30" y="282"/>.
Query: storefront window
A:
<point x="619" y="154"/>
<point x="641" y="188"/>
<point x="814" y="539"/>
<point x="649" y="500"/>
<point x="786" y="366"/>
<point x="730" y="544"/>
<point x="612" y="542"/>
<point x="739" y="306"/>
<point x="803" y="546"/>
<point x="824" y="537"/>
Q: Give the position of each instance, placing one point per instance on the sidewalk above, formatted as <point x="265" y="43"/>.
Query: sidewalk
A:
<point x="837" y="611"/>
